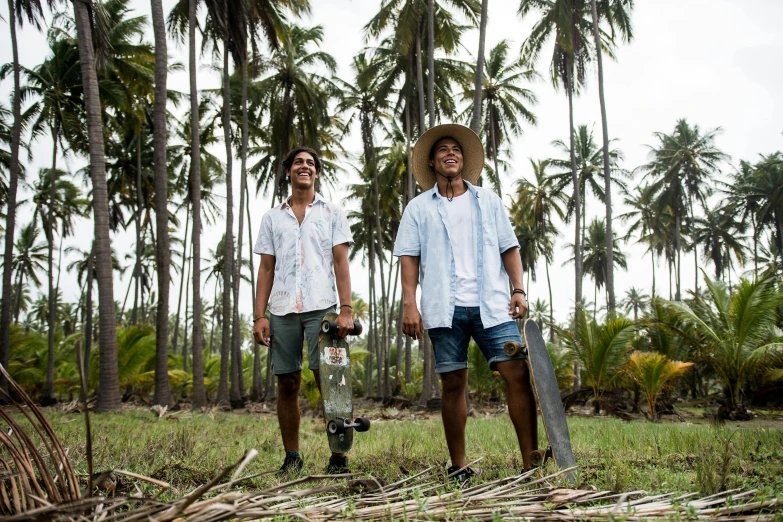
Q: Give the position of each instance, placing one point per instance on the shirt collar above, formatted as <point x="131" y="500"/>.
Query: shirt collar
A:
<point x="434" y="190"/>
<point x="286" y="204"/>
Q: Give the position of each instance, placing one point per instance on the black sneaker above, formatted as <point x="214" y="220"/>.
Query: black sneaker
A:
<point x="456" y="474"/>
<point x="338" y="464"/>
<point x="292" y="465"/>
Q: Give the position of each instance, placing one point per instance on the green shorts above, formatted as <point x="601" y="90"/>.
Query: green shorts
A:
<point x="289" y="332"/>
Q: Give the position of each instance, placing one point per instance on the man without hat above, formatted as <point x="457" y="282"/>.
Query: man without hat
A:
<point x="303" y="244"/>
<point x="455" y="239"/>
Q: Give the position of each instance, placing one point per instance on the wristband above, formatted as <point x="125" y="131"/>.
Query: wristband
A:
<point x="519" y="291"/>
<point x="255" y="319"/>
<point x="349" y="306"/>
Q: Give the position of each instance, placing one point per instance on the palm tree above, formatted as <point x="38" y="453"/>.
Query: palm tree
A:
<point x="735" y="332"/>
<point x="478" y="83"/>
<point x="602" y="349"/>
<point x="18" y="10"/>
<point x="655" y="374"/>
<point x="720" y="234"/>
<point x="504" y="101"/>
<point x="635" y="300"/>
<point x="63" y="203"/>
<point x="109" y="388"/>
<point x="596" y="256"/>
<point x="162" y="249"/>
<point x="589" y="169"/>
<point x="28" y="261"/>
<point x="765" y="188"/>
<point x="645" y="220"/>
<point x="544" y="200"/>
<point x="617" y="14"/>
<point x="681" y="167"/>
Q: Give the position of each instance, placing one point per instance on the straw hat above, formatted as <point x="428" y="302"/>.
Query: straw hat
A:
<point x="472" y="153"/>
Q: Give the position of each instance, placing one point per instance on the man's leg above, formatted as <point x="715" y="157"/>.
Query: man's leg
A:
<point x="454" y="412"/>
<point x="288" y="409"/>
<point x="521" y="405"/>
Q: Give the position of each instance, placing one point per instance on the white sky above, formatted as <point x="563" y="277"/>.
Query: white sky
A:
<point x="710" y="61"/>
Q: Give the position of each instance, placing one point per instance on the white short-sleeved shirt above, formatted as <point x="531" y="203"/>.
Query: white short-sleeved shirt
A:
<point x="460" y="213"/>
<point x="304" y="278"/>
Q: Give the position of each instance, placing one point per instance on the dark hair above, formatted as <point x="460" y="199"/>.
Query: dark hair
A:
<point x="432" y="149"/>
<point x="289" y="160"/>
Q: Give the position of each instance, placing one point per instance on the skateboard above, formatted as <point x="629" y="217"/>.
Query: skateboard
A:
<point x="548" y="396"/>
<point x="335" y="369"/>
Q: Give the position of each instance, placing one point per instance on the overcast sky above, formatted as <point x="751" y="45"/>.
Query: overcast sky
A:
<point x="714" y="62"/>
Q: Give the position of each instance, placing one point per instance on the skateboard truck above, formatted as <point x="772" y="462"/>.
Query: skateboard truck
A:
<point x="512" y="349"/>
<point x="341" y="425"/>
<point x="330" y="327"/>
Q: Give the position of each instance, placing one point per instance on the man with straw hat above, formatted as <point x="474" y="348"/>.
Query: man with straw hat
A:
<point x="455" y="239"/>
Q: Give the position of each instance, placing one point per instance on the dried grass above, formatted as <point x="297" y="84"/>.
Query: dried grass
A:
<point x="44" y="487"/>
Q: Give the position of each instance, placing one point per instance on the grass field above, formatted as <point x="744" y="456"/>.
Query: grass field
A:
<point x="187" y="449"/>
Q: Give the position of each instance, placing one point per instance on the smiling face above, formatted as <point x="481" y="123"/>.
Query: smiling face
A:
<point x="303" y="172"/>
<point x="446" y="157"/>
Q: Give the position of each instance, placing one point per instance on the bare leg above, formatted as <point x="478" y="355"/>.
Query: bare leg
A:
<point x="521" y="405"/>
<point x="454" y="412"/>
<point x="288" y="408"/>
<point x="317" y="374"/>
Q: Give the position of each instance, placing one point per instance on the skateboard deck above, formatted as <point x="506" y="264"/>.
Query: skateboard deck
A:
<point x="336" y="389"/>
<point x="548" y="396"/>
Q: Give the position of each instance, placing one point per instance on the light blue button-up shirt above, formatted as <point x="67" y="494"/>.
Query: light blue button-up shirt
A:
<point x="425" y="231"/>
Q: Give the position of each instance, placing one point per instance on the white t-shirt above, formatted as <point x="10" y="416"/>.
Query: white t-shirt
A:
<point x="460" y="214"/>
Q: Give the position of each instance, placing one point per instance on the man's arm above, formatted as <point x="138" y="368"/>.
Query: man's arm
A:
<point x="266" y="276"/>
<point x="343" y="276"/>
<point x="412" y="324"/>
<point x="517" y="308"/>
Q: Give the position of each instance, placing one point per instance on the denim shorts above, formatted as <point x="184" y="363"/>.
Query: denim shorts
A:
<point x="289" y="332"/>
<point x="451" y="344"/>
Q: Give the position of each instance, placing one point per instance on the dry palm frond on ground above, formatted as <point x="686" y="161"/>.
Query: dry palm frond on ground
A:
<point x="41" y="484"/>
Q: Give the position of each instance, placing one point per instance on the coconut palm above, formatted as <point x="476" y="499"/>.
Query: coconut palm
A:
<point x="735" y="332"/>
<point x="478" y="83"/>
<point x="28" y="261"/>
<point x="601" y="348"/>
<point x="655" y="374"/>
<point x="18" y="11"/>
<point x="616" y="14"/>
<point x="644" y="218"/>
<point x="543" y="201"/>
<point x="765" y="188"/>
<point x="635" y="300"/>
<point x="505" y="102"/>
<point x="720" y="234"/>
<point x="682" y="165"/>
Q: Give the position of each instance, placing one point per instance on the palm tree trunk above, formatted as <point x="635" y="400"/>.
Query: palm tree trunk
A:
<point x="88" y="321"/>
<point x="239" y="388"/>
<point x="181" y="278"/>
<point x="137" y="220"/>
<point x="49" y="391"/>
<point x="677" y="234"/>
<point x="551" y="306"/>
<point x="431" y="61"/>
<point x="214" y="315"/>
<point x="652" y="255"/>
<point x="577" y="196"/>
<point x="695" y="249"/>
<point x="370" y="338"/>
<point x="494" y="139"/>
<point x="109" y="384"/>
<point x="607" y="171"/>
<point x="187" y="300"/>
<point x="228" y="242"/>
<point x="163" y="394"/>
<point x="420" y="79"/>
<point x="255" y="390"/>
<point x="475" y="122"/>
<point x="10" y="217"/>
<point x="398" y="329"/>
<point x="199" y="391"/>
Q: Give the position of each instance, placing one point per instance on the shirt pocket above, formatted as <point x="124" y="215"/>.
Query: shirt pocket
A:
<point x="489" y="232"/>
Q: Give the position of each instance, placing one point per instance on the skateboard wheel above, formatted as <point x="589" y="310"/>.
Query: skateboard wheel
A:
<point x="336" y="426"/>
<point x="357" y="328"/>
<point x="512" y="349"/>
<point x="363" y="424"/>
<point x="326" y="326"/>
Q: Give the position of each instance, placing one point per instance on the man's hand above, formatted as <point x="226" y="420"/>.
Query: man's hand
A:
<point x="412" y="325"/>
<point x="344" y="322"/>
<point x="261" y="331"/>
<point x="517" y="308"/>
